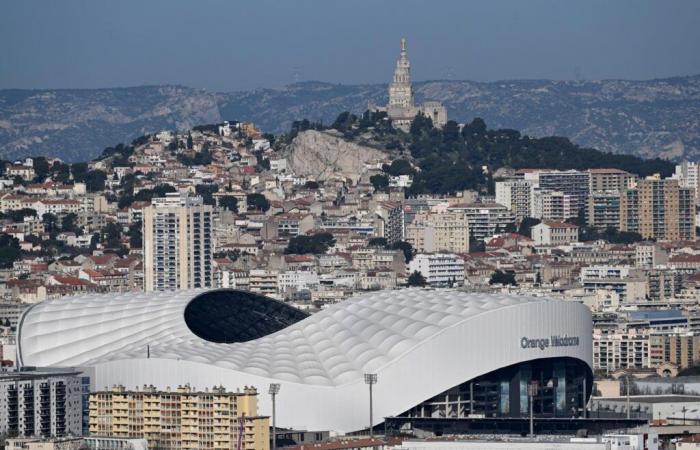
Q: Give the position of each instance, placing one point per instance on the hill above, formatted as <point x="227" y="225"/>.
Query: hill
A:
<point x="647" y="118"/>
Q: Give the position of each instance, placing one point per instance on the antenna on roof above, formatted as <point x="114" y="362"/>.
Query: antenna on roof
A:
<point x="148" y="351"/>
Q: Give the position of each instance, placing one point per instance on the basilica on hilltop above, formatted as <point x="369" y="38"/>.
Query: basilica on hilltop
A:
<point x="401" y="108"/>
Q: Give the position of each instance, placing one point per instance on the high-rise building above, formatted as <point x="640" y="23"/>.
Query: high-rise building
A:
<point x="575" y="183"/>
<point x="663" y="209"/>
<point x="485" y="219"/>
<point x="182" y="418"/>
<point x="610" y="180"/>
<point x="177" y="243"/>
<point x="516" y="195"/>
<point x="553" y="205"/>
<point x="603" y="209"/>
<point x="446" y="231"/>
<point x="688" y="175"/>
<point x="42" y="403"/>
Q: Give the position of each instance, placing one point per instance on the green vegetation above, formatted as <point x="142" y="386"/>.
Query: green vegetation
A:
<point x="380" y="182"/>
<point x="504" y="278"/>
<point x="453" y="159"/>
<point x="316" y="244"/>
<point x="9" y="251"/>
<point x="198" y="159"/>
<point x="257" y="202"/>
<point x="416" y="279"/>
<point x="229" y="202"/>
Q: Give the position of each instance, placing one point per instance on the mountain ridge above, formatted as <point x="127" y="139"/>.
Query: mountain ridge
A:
<point x="658" y="117"/>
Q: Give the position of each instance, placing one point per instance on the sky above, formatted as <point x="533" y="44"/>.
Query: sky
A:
<point x="228" y="45"/>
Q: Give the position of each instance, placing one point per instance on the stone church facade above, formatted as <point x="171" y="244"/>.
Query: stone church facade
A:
<point x="402" y="108"/>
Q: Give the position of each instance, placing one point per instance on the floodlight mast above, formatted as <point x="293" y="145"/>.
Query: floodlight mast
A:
<point x="273" y="391"/>
<point x="371" y="380"/>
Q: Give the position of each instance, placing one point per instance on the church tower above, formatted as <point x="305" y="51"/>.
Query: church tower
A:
<point x="400" y="91"/>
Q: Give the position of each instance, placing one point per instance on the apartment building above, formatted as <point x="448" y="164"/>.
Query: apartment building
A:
<point x="620" y="349"/>
<point x="688" y="176"/>
<point x="516" y="195"/>
<point x="439" y="269"/>
<point x="446" y="231"/>
<point x="679" y="349"/>
<point x="181" y="418"/>
<point x="603" y="210"/>
<point x="574" y="183"/>
<point x="553" y="205"/>
<point x="177" y="243"/>
<point x="603" y="180"/>
<point x="44" y="403"/>
<point x="664" y="210"/>
<point x="485" y="219"/>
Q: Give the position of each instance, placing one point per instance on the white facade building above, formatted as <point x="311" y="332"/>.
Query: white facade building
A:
<point x="439" y="269"/>
<point x="554" y="233"/>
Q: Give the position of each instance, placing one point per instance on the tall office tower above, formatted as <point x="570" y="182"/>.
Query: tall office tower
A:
<point x="177" y="243"/>
<point x="44" y="403"/>
<point x="516" y="195"/>
<point x="182" y="418"/>
<point x="660" y="209"/>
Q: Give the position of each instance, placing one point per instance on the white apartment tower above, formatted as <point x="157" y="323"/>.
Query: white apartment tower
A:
<point x="516" y="195"/>
<point x="688" y="176"/>
<point x="177" y="243"/>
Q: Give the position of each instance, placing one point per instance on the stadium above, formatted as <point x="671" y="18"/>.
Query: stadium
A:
<point x="436" y="353"/>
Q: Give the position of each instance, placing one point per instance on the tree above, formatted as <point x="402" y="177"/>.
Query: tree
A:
<point x="420" y="125"/>
<point x="229" y="202"/>
<point x="18" y="215"/>
<point x="111" y="235"/>
<point x="61" y="172"/>
<point x="95" y="180"/>
<point x="41" y="168"/>
<point x="377" y="242"/>
<point x="399" y="167"/>
<point x="10" y="251"/>
<point x="68" y="223"/>
<point x="417" y="279"/>
<point x="526" y="225"/>
<point x="207" y="191"/>
<point x="135" y="235"/>
<point x="380" y="182"/>
<point x="50" y="222"/>
<point x="316" y="244"/>
<point x="257" y="202"/>
<point x="450" y="132"/>
<point x="311" y="184"/>
<point x="504" y="278"/>
<point x="405" y="247"/>
<point x="190" y="144"/>
<point x="79" y="171"/>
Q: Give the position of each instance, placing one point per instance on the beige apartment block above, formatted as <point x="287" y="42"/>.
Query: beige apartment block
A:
<point x="439" y="232"/>
<point x="182" y="418"/>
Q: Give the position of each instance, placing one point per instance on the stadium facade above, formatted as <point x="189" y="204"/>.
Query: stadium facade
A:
<point x="437" y="353"/>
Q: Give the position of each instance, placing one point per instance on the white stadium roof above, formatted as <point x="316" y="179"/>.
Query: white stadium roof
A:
<point x="420" y="342"/>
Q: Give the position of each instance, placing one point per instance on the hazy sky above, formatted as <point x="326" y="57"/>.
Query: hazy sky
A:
<point x="230" y="45"/>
